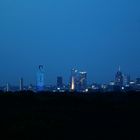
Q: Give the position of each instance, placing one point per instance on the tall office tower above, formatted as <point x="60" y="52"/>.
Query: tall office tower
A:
<point x="73" y="79"/>
<point x="82" y="82"/>
<point x="7" y="87"/>
<point x="21" y="87"/>
<point x="59" y="82"/>
<point x="119" y="78"/>
<point x="72" y="84"/>
<point x="126" y="80"/>
<point x="40" y="78"/>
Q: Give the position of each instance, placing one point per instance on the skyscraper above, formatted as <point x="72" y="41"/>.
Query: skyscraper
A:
<point x="59" y="82"/>
<point x="119" y="78"/>
<point x="40" y="78"/>
<point x="7" y="87"/>
<point x="21" y="84"/>
<point x="82" y="81"/>
<point x="73" y="79"/>
<point x="126" y="80"/>
<point x="73" y="84"/>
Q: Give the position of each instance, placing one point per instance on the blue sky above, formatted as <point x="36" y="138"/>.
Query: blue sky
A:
<point x="94" y="36"/>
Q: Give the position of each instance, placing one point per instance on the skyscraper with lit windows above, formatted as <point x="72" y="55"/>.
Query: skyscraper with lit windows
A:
<point x="73" y="79"/>
<point x="82" y="82"/>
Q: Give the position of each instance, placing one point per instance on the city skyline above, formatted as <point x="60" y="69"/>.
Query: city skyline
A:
<point x="93" y="36"/>
<point x="69" y="69"/>
<point x="41" y="74"/>
<point x="78" y="81"/>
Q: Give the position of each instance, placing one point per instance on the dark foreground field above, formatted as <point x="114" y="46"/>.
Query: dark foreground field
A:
<point x="68" y="117"/>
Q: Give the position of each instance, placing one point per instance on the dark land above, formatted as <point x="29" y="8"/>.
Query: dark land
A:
<point x="68" y="116"/>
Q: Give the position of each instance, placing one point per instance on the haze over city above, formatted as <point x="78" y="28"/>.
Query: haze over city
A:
<point x="94" y="36"/>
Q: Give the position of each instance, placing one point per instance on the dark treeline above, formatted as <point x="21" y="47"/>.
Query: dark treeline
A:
<point x="46" y="115"/>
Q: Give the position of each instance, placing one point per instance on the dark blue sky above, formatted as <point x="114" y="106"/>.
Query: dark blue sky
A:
<point x="92" y="35"/>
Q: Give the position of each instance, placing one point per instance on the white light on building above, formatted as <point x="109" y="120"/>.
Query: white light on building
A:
<point x="73" y="84"/>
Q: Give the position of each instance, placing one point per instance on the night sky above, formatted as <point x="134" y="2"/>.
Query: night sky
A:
<point x="91" y="35"/>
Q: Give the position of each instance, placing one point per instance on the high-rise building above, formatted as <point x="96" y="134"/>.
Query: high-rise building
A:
<point x="73" y="79"/>
<point x="82" y="81"/>
<point x="21" y="88"/>
<point x="59" y="82"/>
<point x="127" y="80"/>
<point x="119" y="78"/>
<point x="40" y="78"/>
<point x="73" y="84"/>
<point x="7" y="87"/>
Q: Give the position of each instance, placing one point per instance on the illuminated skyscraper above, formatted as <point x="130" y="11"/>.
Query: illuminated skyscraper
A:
<point x="21" y="84"/>
<point x="72" y="84"/>
<point x="82" y="82"/>
<point x="119" y="78"/>
<point x="40" y="78"/>
<point x="73" y="79"/>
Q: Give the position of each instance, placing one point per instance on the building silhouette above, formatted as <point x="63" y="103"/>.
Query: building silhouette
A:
<point x="138" y="81"/>
<point x="21" y="86"/>
<point x="126" y="81"/>
<point x="137" y="84"/>
<point x="7" y="87"/>
<point x="73" y="79"/>
<point x="40" y="78"/>
<point x="119" y="78"/>
<point x="59" y="82"/>
<point x="82" y="81"/>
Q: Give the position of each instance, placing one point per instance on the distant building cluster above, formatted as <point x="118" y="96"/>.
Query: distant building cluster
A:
<point x="78" y="82"/>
